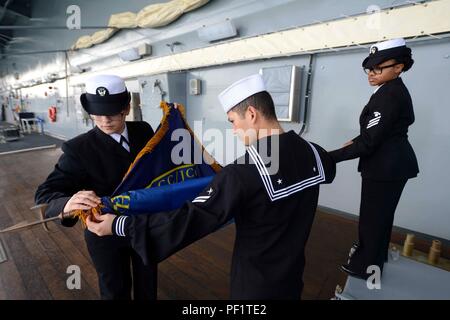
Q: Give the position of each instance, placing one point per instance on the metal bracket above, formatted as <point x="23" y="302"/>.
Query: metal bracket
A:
<point x="41" y="208"/>
<point x="3" y="256"/>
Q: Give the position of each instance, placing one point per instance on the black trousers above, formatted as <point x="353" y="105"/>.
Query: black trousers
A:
<point x="379" y="200"/>
<point x="119" y="269"/>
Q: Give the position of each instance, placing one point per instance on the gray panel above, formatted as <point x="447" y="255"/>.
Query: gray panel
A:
<point x="151" y="96"/>
<point x="283" y="83"/>
<point x="168" y="87"/>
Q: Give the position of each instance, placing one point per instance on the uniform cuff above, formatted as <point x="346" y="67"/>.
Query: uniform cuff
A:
<point x="119" y="226"/>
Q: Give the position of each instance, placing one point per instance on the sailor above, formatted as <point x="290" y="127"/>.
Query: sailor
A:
<point x="386" y="158"/>
<point x="273" y="204"/>
<point x="92" y="165"/>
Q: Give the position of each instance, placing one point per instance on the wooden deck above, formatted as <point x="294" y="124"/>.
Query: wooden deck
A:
<point x="37" y="260"/>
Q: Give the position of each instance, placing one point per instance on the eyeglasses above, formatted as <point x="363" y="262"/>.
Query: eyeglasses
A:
<point x="378" y="70"/>
<point x="116" y="117"/>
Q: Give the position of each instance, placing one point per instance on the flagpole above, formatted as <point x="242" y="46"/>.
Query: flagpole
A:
<point x="24" y="224"/>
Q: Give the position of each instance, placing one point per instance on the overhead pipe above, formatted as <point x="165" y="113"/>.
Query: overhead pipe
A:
<point x="307" y="100"/>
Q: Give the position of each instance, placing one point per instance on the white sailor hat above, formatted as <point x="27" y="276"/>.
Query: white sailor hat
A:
<point x="386" y="50"/>
<point x="105" y="95"/>
<point x="241" y="90"/>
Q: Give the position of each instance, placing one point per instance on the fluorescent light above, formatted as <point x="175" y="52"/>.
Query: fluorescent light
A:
<point x="129" y="55"/>
<point x="217" y="31"/>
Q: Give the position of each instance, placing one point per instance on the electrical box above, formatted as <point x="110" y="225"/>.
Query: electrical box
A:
<point x="145" y="49"/>
<point x="195" y="87"/>
<point x="170" y="87"/>
<point x="129" y="55"/>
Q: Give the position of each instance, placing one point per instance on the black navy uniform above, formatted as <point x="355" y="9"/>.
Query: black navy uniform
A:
<point x="273" y="214"/>
<point x="386" y="162"/>
<point x="95" y="161"/>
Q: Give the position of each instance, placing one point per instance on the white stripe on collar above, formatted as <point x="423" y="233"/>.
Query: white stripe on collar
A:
<point x="287" y="191"/>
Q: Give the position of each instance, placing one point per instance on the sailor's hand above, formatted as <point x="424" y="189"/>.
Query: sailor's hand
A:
<point x="348" y="143"/>
<point x="83" y="200"/>
<point x="101" y="225"/>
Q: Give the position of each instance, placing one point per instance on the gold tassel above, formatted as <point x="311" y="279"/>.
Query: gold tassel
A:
<point x="83" y="214"/>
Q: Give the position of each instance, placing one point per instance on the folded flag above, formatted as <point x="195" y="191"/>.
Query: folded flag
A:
<point x="164" y="198"/>
<point x="155" y="181"/>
